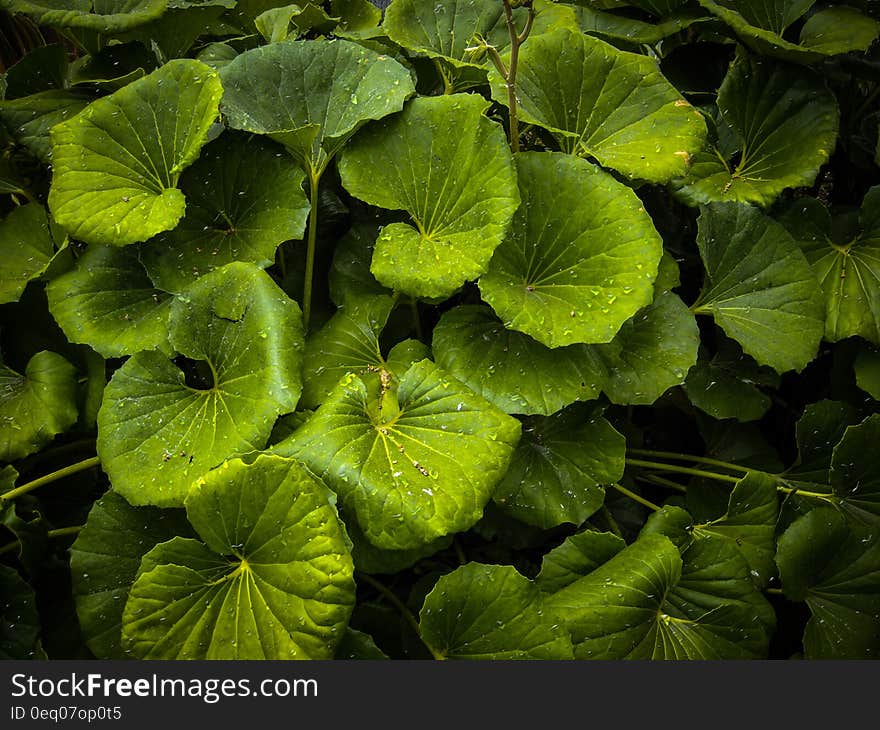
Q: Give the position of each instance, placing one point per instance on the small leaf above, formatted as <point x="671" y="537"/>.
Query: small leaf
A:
<point x="107" y="301"/>
<point x="457" y="183"/>
<point x="855" y="471"/>
<point x="27" y="246"/>
<point x="19" y="620"/>
<point x="156" y="433"/>
<point x="358" y="645"/>
<point x="273" y="580"/>
<point x="36" y="406"/>
<point x="581" y="257"/>
<point x="117" y="163"/>
<point x="412" y="463"/>
<point x="821" y="426"/>
<point x="759" y="287"/>
<point x="560" y="468"/>
<point x="490" y="612"/>
<point x="577" y="556"/>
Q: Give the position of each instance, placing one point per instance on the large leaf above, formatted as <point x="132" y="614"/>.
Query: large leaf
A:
<point x="116" y="164"/>
<point x="103" y="16"/>
<point x="627" y="609"/>
<point x="607" y="104"/>
<point x="244" y="198"/>
<point x="27" y="245"/>
<point x="759" y="287"/>
<point x="413" y="460"/>
<point x="156" y="433"/>
<point x="834" y="568"/>
<point x="855" y="471"/>
<point x="104" y="561"/>
<point x="510" y="369"/>
<point x="19" y="620"/>
<point x="311" y="95"/>
<point x="30" y="118"/>
<point x="847" y="266"/>
<point x="577" y="556"/>
<point x="560" y="468"/>
<point x="780" y="126"/>
<point x="450" y="169"/>
<point x="108" y="301"/>
<point x="652" y="352"/>
<point x="581" y="256"/>
<point x="490" y="612"/>
<point x="632" y="31"/>
<point x="36" y="406"/>
<point x="273" y="579"/>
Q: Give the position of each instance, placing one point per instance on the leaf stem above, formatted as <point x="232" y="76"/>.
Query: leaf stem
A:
<point x="60" y="532"/>
<point x="516" y="40"/>
<point x="636" y="498"/>
<point x="314" y="182"/>
<point x="52" y="477"/>
<point x="612" y="523"/>
<point x="683" y="470"/>
<point x="688" y="457"/>
<point x="402" y="609"/>
<point x="661" y="482"/>
<point x="417" y="322"/>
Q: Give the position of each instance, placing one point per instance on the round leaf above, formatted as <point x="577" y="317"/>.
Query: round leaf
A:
<point x="607" y="104"/>
<point x="581" y="256"/>
<point x="117" y="163"/>
<point x="411" y="465"/>
<point x="156" y="433"/>
<point x="490" y="612"/>
<point x="759" y="287"/>
<point x="449" y="167"/>
<point x="244" y="198"/>
<point x="108" y="301"/>
<point x="274" y="579"/>
<point x="510" y="369"/>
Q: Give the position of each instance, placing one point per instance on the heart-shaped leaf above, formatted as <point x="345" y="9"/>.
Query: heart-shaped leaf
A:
<point x="490" y="612"/>
<point x="19" y="620"/>
<point x="560" y="468"/>
<point x="414" y="460"/>
<point x="607" y="104"/>
<point x="104" y="561"/>
<point x="780" y="126"/>
<point x="833" y="567"/>
<point x="577" y="556"/>
<point x="759" y="287"/>
<point x="849" y="270"/>
<point x="108" y="301"/>
<point x="244" y="198"/>
<point x="103" y="16"/>
<point x="510" y="369"/>
<point x="36" y="406"/>
<point x="27" y="245"/>
<point x="157" y="433"/>
<point x="311" y="95"/>
<point x="272" y="580"/>
<point x="116" y="164"/>
<point x="581" y="256"/>
<point x="450" y="169"/>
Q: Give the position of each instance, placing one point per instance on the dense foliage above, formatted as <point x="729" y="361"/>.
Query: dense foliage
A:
<point x="464" y="329"/>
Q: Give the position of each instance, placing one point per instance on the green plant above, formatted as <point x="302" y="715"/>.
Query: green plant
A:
<point x="477" y="330"/>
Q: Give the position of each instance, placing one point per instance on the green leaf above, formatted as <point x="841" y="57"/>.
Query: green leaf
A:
<point x="581" y="256"/>
<point x="27" y="245"/>
<point x="36" y="406"/>
<point x="490" y="612"/>
<point x="19" y="620"/>
<point x="356" y="17"/>
<point x="625" y="609"/>
<point x="848" y="269"/>
<point x="855" y="471"/>
<point x="350" y="274"/>
<point x="370" y="559"/>
<point x="867" y="369"/>
<point x="405" y="354"/>
<point x="576" y="557"/>
<point x="450" y="169"/>
<point x="607" y="104"/>
<point x="103" y="16"/>
<point x="43" y="69"/>
<point x="117" y="163"/>
<point x="273" y="580"/>
<point x="156" y="433"/>
<point x="833" y="567"/>
<point x="750" y="523"/>
<point x="104" y="561"/>
<point x="30" y="118"/>
<point x="108" y="301"/>
<point x="358" y="645"/>
<point x="821" y="426"/>
<point x="652" y="352"/>
<point x="781" y="126"/>
<point x="244" y="198"/>
<point x="759" y="287"/>
<point x="833" y="31"/>
<point x="560" y="468"/>
<point x="511" y="370"/>
<point x="348" y="343"/>
<point x="25" y="523"/>
<point x="620" y="28"/>
<point x="413" y="461"/>
<point x="311" y="95"/>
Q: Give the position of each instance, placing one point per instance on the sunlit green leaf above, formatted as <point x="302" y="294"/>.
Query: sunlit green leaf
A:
<point x="103" y="16"/>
